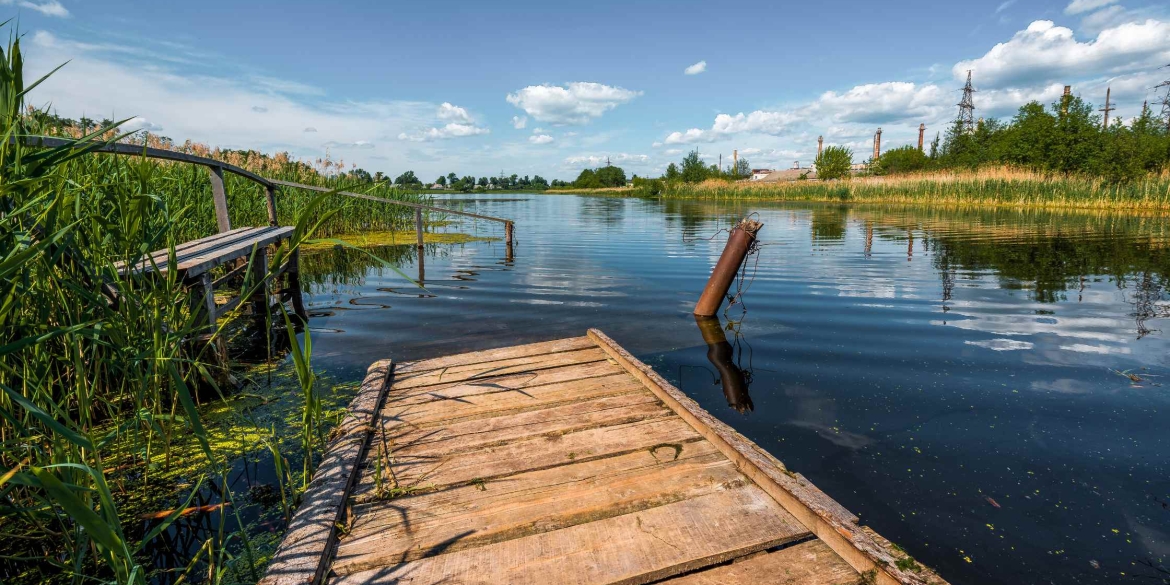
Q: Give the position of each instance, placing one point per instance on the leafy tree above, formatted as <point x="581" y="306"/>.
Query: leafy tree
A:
<point x="693" y="169"/>
<point x="905" y="159"/>
<point x="611" y="176"/>
<point x="452" y="178"/>
<point x="442" y="181"/>
<point x="407" y="179"/>
<point x="742" y="168"/>
<point x="834" y="162"/>
<point x="483" y="182"/>
<point x="672" y="172"/>
<point x="538" y="182"/>
<point x="587" y="180"/>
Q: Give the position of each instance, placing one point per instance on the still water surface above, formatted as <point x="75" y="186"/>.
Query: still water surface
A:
<point x="989" y="389"/>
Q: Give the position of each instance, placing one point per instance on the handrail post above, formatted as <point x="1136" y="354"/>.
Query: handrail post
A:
<point x="220" y="198"/>
<point x="418" y="226"/>
<point x="270" y="195"/>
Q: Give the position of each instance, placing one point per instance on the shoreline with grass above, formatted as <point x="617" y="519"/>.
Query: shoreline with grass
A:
<point x="998" y="187"/>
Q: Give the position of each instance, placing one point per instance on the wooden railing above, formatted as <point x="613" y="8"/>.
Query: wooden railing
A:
<point x="217" y="168"/>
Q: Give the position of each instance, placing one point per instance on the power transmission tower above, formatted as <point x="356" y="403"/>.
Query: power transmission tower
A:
<point x="967" y="106"/>
<point x="1165" y="101"/>
<point x="1108" y="108"/>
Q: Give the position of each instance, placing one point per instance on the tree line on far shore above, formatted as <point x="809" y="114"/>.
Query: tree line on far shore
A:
<point x="1068" y="138"/>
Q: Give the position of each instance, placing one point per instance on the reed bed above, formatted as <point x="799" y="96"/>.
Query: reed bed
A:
<point x="103" y="396"/>
<point x="997" y="186"/>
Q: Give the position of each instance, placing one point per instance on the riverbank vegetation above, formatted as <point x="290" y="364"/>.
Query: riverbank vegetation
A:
<point x="1062" y="156"/>
<point x="123" y="455"/>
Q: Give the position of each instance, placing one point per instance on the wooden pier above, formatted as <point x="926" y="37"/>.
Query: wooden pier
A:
<point x="561" y="462"/>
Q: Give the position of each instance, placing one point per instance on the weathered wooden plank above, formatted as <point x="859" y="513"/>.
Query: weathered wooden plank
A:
<point x="492" y="355"/>
<point x="529" y="454"/>
<point x="820" y="513"/>
<point x="490" y="404"/>
<point x="806" y="563"/>
<point x="480" y="496"/>
<point x="236" y="249"/>
<point x="407" y="529"/>
<point x="161" y="256"/>
<point x="304" y="554"/>
<point x="205" y="247"/>
<point x="470" y="434"/>
<point x="516" y="384"/>
<point x="503" y="367"/>
<point x="635" y="548"/>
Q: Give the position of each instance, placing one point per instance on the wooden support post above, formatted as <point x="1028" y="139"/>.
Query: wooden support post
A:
<point x="509" y="228"/>
<point x="207" y="289"/>
<point x="294" y="282"/>
<point x="220" y="198"/>
<point x="422" y="270"/>
<point x="738" y="244"/>
<point x="418" y="226"/>
<point x="270" y="196"/>
<point x="259" y="270"/>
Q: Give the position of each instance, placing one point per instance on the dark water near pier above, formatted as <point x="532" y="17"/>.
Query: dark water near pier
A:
<point x="989" y="389"/>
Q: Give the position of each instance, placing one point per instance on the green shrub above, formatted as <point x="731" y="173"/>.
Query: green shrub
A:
<point x="834" y="162"/>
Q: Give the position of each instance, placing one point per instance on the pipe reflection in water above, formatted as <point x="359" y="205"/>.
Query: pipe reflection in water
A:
<point x="721" y="354"/>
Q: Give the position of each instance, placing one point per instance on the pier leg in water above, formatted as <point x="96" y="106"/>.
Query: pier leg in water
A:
<point x="738" y="245"/>
<point x="422" y="273"/>
<point x="722" y="356"/>
<point x="418" y="226"/>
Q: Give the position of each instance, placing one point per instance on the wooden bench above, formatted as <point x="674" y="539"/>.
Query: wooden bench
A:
<point x="195" y="261"/>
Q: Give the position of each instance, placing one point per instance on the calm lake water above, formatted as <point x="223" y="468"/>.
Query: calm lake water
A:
<point x="988" y="389"/>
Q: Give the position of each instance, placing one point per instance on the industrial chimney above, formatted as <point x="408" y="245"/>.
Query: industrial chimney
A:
<point x="877" y="145"/>
<point x="820" y="145"/>
<point x="921" y="133"/>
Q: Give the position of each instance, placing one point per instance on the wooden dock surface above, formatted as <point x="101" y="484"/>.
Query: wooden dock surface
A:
<point x="562" y="462"/>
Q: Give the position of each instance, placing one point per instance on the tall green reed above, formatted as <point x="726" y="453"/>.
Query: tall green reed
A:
<point x="97" y="376"/>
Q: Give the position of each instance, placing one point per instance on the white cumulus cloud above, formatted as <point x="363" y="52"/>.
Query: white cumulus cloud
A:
<point x="1079" y="6"/>
<point x="588" y="161"/>
<point x="47" y="7"/>
<point x="575" y="103"/>
<point x="1046" y="52"/>
<point x="540" y="139"/>
<point x="519" y="122"/>
<point x="451" y="130"/>
<point x="448" y="112"/>
<point x="696" y="69"/>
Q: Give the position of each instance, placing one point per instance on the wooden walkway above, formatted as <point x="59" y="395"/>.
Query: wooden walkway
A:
<point x="561" y="462"/>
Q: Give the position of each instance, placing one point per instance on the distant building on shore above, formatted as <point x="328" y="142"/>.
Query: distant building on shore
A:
<point x="790" y="174"/>
<point x="758" y="174"/>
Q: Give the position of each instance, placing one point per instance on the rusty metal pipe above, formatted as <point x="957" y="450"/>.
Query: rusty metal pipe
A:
<point x="738" y="244"/>
<point x="721" y="355"/>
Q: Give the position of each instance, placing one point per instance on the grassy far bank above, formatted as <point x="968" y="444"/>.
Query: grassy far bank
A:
<point x="999" y="186"/>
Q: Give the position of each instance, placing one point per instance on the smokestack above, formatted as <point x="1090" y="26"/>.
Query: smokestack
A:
<point x="877" y="145"/>
<point x="1064" y="100"/>
<point x="735" y="162"/>
<point x="921" y="133"/>
<point x="1107" y="107"/>
<point x="820" y="145"/>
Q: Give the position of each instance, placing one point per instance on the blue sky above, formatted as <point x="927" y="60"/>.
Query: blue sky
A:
<point x="550" y="88"/>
